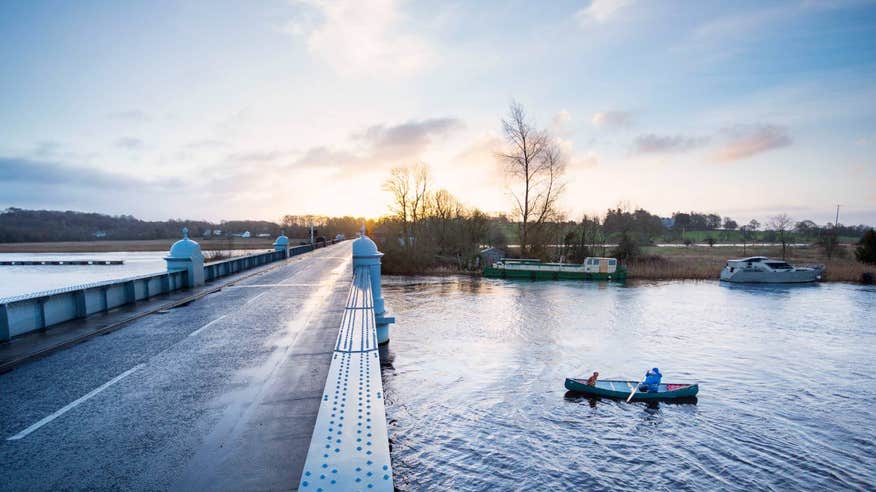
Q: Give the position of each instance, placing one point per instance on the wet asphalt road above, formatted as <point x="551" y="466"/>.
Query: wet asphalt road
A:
<point x="220" y="394"/>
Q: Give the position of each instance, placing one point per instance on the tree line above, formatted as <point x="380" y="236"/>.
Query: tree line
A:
<point x="428" y="227"/>
<point x="20" y="225"/>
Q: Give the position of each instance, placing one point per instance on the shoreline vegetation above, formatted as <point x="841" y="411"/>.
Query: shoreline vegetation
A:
<point x="654" y="263"/>
<point x="705" y="263"/>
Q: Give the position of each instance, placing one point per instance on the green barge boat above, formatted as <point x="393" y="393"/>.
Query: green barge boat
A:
<point x="593" y="268"/>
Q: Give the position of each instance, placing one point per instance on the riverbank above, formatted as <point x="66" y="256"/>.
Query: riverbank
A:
<point x="136" y="245"/>
<point x="703" y="262"/>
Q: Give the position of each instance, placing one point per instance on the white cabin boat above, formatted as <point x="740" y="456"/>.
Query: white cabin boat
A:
<point x="760" y="269"/>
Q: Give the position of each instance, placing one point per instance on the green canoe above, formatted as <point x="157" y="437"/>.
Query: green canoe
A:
<point x="622" y="389"/>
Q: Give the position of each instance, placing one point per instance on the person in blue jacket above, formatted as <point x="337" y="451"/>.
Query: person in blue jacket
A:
<point x="652" y="381"/>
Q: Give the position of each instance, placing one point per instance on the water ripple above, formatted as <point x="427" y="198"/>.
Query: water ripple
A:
<point x="475" y="397"/>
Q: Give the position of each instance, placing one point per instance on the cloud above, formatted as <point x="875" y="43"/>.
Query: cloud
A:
<point x="358" y="37"/>
<point x="588" y="160"/>
<point x="15" y="171"/>
<point x="377" y="147"/>
<point x="744" y="141"/>
<point x="133" y="115"/>
<point x="612" y="119"/>
<point x="47" y="148"/>
<point x="206" y="144"/>
<point x="407" y="137"/>
<point x="743" y="25"/>
<point x="326" y="157"/>
<point x="130" y="143"/>
<point x="600" y="11"/>
<point x="560" y="123"/>
<point x="652" y="144"/>
<point x="257" y="156"/>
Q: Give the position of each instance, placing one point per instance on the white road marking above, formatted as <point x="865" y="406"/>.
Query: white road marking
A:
<point x="254" y="298"/>
<point x="199" y="330"/>
<point x="74" y="404"/>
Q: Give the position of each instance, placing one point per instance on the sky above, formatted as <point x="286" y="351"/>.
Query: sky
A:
<point x="256" y="109"/>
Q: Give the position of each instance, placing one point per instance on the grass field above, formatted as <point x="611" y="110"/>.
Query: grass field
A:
<point x="703" y="262"/>
<point x="144" y="245"/>
<point x="735" y="237"/>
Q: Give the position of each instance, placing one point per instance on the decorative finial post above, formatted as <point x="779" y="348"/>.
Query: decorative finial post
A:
<point x="366" y="255"/>
<point x="282" y="244"/>
<point x="185" y="254"/>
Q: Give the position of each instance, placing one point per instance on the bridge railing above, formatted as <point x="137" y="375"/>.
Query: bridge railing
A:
<point x="38" y="311"/>
<point x="349" y="449"/>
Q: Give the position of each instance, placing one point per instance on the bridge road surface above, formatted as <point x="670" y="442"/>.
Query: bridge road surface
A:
<point x="221" y="394"/>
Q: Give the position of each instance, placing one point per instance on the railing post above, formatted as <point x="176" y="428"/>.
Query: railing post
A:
<point x="365" y="254"/>
<point x="41" y="313"/>
<point x="81" y="307"/>
<point x="4" y="322"/>
<point x="185" y="254"/>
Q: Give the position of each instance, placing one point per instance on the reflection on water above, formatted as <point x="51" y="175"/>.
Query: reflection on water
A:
<point x="475" y="371"/>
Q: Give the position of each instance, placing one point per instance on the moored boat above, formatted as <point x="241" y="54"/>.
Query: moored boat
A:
<point x="622" y="389"/>
<point x="593" y="268"/>
<point x="760" y="269"/>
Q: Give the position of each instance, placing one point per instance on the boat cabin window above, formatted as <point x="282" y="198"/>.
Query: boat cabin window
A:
<point x="779" y="265"/>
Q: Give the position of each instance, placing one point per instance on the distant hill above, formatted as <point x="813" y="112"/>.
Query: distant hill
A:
<point x="19" y="225"/>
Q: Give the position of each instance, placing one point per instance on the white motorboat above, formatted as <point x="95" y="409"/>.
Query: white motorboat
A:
<point x="760" y="269"/>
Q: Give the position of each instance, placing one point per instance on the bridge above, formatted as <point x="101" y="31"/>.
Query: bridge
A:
<point x="238" y="383"/>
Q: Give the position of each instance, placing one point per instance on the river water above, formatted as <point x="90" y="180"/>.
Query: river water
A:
<point x="28" y="279"/>
<point x="475" y="396"/>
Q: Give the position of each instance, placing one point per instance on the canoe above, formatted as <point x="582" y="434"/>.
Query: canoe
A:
<point x="622" y="389"/>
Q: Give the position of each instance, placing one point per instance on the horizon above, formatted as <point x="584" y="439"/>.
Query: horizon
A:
<point x="763" y="223"/>
<point x="225" y="111"/>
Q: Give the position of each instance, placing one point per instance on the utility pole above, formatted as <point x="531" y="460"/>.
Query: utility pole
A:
<point x="311" y="231"/>
<point x="836" y="221"/>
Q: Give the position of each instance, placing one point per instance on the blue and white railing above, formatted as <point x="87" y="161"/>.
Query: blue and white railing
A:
<point x="26" y="313"/>
<point x="349" y="449"/>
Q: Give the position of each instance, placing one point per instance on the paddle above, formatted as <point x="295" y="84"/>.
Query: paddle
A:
<point x="636" y="388"/>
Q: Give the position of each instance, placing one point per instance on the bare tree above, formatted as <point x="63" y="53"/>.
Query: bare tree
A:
<point x="534" y="164"/>
<point x="420" y="199"/>
<point x="411" y="203"/>
<point x="781" y="224"/>
<point x="399" y="186"/>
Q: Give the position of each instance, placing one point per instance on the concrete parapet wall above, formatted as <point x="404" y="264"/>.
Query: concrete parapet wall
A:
<point x="38" y="311"/>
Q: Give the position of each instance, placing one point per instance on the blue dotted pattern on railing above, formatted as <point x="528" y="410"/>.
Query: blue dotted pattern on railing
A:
<point x="349" y="449"/>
